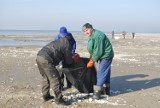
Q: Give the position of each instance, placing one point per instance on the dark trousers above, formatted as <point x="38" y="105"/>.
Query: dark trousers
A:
<point x="50" y="77"/>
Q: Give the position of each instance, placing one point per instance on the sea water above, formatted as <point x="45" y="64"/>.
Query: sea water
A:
<point x="29" y="37"/>
<point x="42" y="37"/>
<point x="34" y="33"/>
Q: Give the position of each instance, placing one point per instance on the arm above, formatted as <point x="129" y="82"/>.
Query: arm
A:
<point x="74" y="47"/>
<point x="95" y="47"/>
<point x="57" y="37"/>
<point x="67" y="51"/>
<point x="74" y="43"/>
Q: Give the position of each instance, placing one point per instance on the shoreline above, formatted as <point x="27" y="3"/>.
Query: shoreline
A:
<point x="42" y="40"/>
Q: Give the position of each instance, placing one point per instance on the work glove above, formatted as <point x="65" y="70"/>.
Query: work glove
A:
<point x="76" y="57"/>
<point x="90" y="64"/>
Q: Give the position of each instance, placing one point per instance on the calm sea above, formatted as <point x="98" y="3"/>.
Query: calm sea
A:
<point x="34" y="33"/>
<point x="29" y="37"/>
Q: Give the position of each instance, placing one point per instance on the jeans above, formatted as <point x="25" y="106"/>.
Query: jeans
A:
<point x="104" y="71"/>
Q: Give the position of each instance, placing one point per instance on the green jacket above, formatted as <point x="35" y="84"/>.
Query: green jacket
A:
<point x="99" y="46"/>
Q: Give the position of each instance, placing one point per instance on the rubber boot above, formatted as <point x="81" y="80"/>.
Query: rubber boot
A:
<point x="106" y="89"/>
<point x="47" y="97"/>
<point x="97" y="92"/>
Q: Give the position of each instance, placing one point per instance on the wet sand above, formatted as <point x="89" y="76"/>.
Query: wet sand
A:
<point x="135" y="78"/>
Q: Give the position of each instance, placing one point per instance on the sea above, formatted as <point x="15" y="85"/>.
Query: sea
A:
<point x="34" y="32"/>
<point x="40" y="37"/>
<point x="29" y="37"/>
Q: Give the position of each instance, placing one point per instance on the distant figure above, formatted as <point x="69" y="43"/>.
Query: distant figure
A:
<point x="133" y="35"/>
<point x="113" y="34"/>
<point x="124" y="34"/>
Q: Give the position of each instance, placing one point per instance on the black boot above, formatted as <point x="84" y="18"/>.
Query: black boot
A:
<point x="61" y="101"/>
<point x="97" y="92"/>
<point x="106" y="89"/>
<point x="48" y="97"/>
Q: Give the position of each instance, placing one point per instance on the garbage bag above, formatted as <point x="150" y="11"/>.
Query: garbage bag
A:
<point x="81" y="77"/>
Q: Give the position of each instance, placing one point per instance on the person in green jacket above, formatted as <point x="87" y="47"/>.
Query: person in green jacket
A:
<point x="101" y="51"/>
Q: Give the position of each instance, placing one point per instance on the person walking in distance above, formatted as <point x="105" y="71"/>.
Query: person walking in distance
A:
<point x="113" y="34"/>
<point x="133" y="35"/>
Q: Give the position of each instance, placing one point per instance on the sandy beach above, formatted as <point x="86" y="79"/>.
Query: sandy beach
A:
<point x="135" y="77"/>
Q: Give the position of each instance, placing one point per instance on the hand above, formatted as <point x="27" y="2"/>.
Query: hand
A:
<point x="90" y="64"/>
<point x="76" y="57"/>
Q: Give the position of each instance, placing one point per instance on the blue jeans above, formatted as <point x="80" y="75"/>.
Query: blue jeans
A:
<point x="104" y="72"/>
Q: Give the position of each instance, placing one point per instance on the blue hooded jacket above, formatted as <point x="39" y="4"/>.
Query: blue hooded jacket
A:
<point x="74" y="42"/>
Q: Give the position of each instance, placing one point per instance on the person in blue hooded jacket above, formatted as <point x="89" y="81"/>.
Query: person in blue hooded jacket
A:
<point x="63" y="33"/>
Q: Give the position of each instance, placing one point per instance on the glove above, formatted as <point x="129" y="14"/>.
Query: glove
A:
<point x="90" y="64"/>
<point x="76" y="57"/>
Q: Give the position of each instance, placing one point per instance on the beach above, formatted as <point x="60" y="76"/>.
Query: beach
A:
<point x="135" y="77"/>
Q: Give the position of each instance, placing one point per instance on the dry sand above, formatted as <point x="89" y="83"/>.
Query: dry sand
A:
<point x="135" y="79"/>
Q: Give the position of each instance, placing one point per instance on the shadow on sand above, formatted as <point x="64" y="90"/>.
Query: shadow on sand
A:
<point x="132" y="83"/>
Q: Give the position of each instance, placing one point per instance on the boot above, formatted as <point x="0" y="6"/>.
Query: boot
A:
<point x="97" y="92"/>
<point x="61" y="101"/>
<point x="106" y="89"/>
<point x="47" y="98"/>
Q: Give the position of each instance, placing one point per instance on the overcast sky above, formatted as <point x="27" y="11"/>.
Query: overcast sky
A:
<point x="106" y="15"/>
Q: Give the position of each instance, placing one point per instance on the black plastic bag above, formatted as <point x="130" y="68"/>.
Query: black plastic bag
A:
<point x="80" y="76"/>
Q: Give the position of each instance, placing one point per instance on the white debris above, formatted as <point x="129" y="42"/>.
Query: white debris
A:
<point x="130" y="90"/>
<point x="147" y="82"/>
<point x="90" y="99"/>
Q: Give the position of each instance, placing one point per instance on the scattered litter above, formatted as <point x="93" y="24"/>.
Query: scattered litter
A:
<point x="87" y="98"/>
<point x="130" y="90"/>
<point x="147" y="82"/>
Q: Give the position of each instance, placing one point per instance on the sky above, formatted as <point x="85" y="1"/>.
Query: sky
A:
<point x="105" y="15"/>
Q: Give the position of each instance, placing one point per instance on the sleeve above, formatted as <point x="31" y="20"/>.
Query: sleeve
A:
<point x="57" y="37"/>
<point x="73" y="46"/>
<point x="96" y="48"/>
<point x="74" y="43"/>
<point x="68" y="54"/>
<point x="90" y="46"/>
